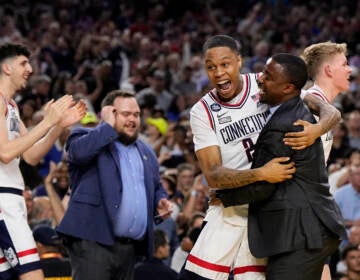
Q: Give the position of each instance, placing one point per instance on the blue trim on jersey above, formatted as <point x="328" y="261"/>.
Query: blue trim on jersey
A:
<point x="29" y="267"/>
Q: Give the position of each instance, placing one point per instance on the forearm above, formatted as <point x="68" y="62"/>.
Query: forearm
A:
<point x="41" y="147"/>
<point x="56" y="204"/>
<point x="329" y="116"/>
<point x="225" y="178"/>
<point x="23" y="144"/>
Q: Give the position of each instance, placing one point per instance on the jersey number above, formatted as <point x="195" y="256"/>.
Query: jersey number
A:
<point x="249" y="148"/>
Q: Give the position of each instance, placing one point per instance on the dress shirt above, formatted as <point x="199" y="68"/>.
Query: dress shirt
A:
<point x="132" y="215"/>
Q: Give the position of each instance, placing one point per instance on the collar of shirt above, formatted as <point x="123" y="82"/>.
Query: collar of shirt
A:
<point x="272" y="110"/>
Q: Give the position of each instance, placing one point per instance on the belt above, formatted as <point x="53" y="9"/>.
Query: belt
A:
<point x="125" y="240"/>
<point x="11" y="190"/>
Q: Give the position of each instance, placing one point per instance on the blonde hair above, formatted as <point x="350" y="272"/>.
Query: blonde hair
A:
<point x="315" y="55"/>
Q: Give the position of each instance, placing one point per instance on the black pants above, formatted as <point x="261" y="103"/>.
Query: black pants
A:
<point x="302" y="264"/>
<point x="92" y="261"/>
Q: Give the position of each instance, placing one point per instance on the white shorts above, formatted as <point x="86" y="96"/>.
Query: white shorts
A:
<point x="18" y="252"/>
<point x="223" y="246"/>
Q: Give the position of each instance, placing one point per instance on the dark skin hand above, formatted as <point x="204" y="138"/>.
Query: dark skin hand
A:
<point x="329" y="117"/>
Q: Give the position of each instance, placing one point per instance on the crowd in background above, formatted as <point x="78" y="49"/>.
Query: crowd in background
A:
<point x="153" y="48"/>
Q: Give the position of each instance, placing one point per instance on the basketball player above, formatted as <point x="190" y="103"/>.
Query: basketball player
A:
<point x="226" y="123"/>
<point x="18" y="255"/>
<point x="328" y="67"/>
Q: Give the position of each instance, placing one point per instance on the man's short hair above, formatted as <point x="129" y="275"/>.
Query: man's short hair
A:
<point x="112" y="95"/>
<point x="294" y="68"/>
<point x="160" y="239"/>
<point x="316" y="54"/>
<point x="348" y="249"/>
<point x="12" y="50"/>
<point x="221" y="41"/>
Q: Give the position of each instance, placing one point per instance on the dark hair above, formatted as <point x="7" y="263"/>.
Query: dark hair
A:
<point x="159" y="238"/>
<point x="112" y="95"/>
<point x="221" y="41"/>
<point x="12" y="50"/>
<point x="294" y="68"/>
<point x="348" y="249"/>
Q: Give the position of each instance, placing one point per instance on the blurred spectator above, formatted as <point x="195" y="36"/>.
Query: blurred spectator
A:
<point x="155" y="132"/>
<point x="351" y="259"/>
<point x="39" y="91"/>
<point x="354" y="235"/>
<point x="180" y="148"/>
<point x="53" y="263"/>
<point x="56" y="153"/>
<point x="42" y="213"/>
<point x="157" y="89"/>
<point x="184" y="249"/>
<point x="197" y="201"/>
<point x="27" y="110"/>
<point x="169" y="184"/>
<point x="340" y="146"/>
<point x="185" y="178"/>
<point x="340" y="176"/>
<point x="353" y="126"/>
<point x="185" y="86"/>
<point x="258" y="60"/>
<point x="29" y="202"/>
<point x="154" y="268"/>
<point x="89" y="120"/>
<point x="60" y="180"/>
<point x="348" y="198"/>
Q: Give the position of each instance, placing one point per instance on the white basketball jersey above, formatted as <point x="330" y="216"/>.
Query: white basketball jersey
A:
<point x="233" y="126"/>
<point x="327" y="138"/>
<point x="10" y="175"/>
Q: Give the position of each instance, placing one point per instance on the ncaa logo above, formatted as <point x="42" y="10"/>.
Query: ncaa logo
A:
<point x="215" y="107"/>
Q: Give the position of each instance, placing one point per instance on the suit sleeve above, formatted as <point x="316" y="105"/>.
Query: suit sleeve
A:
<point x="248" y="194"/>
<point x="85" y="144"/>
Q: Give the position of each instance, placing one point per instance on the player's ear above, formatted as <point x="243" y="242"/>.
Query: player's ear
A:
<point x="328" y="70"/>
<point x="289" y="88"/>
<point x="239" y="60"/>
<point x="6" y="68"/>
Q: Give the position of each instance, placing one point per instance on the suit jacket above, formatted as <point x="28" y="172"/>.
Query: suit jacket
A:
<point x="291" y="215"/>
<point x="97" y="187"/>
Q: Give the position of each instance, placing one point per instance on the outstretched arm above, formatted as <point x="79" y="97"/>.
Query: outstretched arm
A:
<point x="70" y="114"/>
<point x="329" y="117"/>
<point x="220" y="177"/>
<point x="10" y="149"/>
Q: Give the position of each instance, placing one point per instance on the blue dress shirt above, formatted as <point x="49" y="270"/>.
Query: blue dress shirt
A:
<point x="132" y="215"/>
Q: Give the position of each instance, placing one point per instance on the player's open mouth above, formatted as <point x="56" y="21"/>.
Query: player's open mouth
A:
<point x="224" y="85"/>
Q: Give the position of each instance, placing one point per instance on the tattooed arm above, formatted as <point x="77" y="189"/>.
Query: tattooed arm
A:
<point x="329" y="117"/>
<point x="220" y="177"/>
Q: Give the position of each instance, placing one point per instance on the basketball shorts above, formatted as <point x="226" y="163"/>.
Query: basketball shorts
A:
<point x="223" y="247"/>
<point x="18" y="253"/>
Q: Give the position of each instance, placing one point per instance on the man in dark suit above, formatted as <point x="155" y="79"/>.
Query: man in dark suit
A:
<point x="116" y="192"/>
<point x="295" y="223"/>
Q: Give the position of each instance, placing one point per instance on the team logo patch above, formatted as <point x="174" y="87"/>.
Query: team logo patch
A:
<point x="11" y="256"/>
<point x="215" y="107"/>
<point x="225" y="120"/>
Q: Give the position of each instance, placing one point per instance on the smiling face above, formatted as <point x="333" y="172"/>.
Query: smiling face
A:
<point x="19" y="70"/>
<point x="273" y="84"/>
<point x="340" y="72"/>
<point x="127" y="118"/>
<point x="223" y="69"/>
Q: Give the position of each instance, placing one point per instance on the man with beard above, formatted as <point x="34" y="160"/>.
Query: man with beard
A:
<point x="116" y="192"/>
